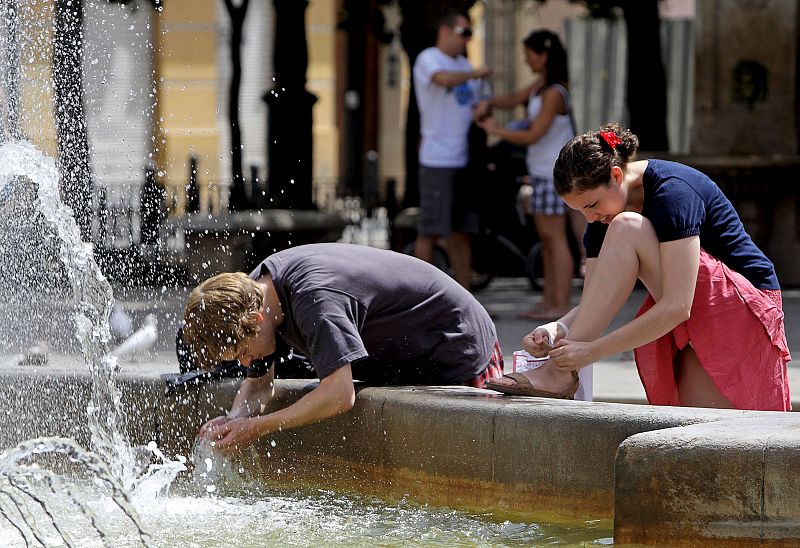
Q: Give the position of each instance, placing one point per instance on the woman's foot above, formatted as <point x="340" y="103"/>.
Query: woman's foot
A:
<point x="547" y="378"/>
<point x="543" y="314"/>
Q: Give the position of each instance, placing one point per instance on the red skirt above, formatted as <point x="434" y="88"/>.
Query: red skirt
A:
<point x="737" y="333"/>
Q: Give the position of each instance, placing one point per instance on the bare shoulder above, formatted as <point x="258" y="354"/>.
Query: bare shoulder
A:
<point x="552" y="99"/>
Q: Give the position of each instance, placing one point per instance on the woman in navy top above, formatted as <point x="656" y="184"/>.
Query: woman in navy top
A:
<point x="710" y="333"/>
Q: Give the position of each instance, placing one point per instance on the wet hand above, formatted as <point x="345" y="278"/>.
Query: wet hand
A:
<point x="572" y="355"/>
<point x="206" y="430"/>
<point x="235" y="434"/>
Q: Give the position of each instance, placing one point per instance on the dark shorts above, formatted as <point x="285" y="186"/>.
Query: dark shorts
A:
<point x="446" y="202"/>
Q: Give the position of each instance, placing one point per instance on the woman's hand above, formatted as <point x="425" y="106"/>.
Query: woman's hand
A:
<point x="572" y="355"/>
<point x="487" y="123"/>
<point x="538" y="342"/>
<point x="482" y="110"/>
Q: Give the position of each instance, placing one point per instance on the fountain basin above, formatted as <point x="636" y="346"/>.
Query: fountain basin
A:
<point x="665" y="475"/>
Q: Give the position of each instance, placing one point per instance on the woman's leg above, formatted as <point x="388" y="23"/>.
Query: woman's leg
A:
<point x="459" y="251"/>
<point x="557" y="263"/>
<point x="630" y="251"/>
<point x="695" y="387"/>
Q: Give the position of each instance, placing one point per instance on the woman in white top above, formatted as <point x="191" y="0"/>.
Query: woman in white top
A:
<point x="550" y="127"/>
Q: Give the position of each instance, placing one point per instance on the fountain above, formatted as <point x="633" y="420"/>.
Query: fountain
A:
<point x="123" y="492"/>
<point x="417" y="466"/>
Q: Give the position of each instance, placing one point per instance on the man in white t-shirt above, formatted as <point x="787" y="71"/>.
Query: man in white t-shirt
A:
<point x="446" y="85"/>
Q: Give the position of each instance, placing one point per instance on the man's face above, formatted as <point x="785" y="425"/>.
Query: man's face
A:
<point x="254" y="348"/>
<point x="457" y="36"/>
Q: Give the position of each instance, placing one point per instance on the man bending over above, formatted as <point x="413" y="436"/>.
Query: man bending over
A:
<point x="356" y="312"/>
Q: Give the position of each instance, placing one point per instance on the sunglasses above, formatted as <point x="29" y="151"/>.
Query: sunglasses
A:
<point x="465" y="32"/>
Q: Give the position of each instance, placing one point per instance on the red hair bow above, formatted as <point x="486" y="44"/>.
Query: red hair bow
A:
<point x="611" y="139"/>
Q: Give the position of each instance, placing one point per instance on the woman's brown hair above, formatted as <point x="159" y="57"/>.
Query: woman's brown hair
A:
<point x="586" y="161"/>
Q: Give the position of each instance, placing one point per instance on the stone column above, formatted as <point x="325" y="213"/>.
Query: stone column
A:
<point x="746" y="77"/>
<point x="746" y="118"/>
<point x="503" y="47"/>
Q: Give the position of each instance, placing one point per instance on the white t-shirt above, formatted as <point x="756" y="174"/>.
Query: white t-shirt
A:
<point x="445" y="113"/>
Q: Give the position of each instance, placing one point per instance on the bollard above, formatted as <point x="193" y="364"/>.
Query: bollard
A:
<point x="152" y="206"/>
<point x="192" y="191"/>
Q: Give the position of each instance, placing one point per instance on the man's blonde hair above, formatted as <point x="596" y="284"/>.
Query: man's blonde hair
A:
<point x="219" y="316"/>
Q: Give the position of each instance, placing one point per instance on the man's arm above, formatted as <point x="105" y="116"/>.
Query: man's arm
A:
<point x="334" y="395"/>
<point x="253" y="395"/>
<point x="452" y="79"/>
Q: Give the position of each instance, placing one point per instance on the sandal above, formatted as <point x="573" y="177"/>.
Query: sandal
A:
<point x="523" y="387"/>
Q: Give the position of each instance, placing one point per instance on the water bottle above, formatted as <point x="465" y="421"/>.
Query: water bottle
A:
<point x="484" y="93"/>
<point x="484" y="89"/>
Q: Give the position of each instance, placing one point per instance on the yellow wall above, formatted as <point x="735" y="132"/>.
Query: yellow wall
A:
<point x="186" y="41"/>
<point x="36" y="78"/>
<point x="321" y="16"/>
<point x="188" y="90"/>
<point x="188" y="87"/>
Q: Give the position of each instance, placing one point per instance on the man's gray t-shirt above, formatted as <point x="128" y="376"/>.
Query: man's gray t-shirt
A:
<point x="395" y="318"/>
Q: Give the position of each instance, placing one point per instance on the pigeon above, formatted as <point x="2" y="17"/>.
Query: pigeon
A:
<point x="141" y="340"/>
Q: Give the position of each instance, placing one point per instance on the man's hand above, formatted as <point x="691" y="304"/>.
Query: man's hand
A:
<point x="208" y="427"/>
<point x="231" y="435"/>
<point x="483" y="72"/>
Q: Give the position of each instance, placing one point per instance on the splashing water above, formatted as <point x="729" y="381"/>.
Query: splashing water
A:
<point x="23" y="483"/>
<point x="28" y="175"/>
<point x="22" y="164"/>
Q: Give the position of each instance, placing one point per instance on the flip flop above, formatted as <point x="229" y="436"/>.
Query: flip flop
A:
<point x="523" y="387"/>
